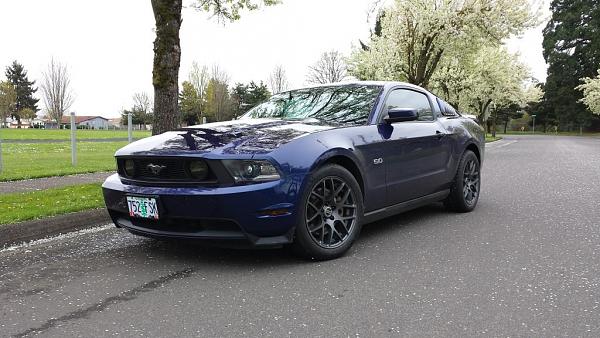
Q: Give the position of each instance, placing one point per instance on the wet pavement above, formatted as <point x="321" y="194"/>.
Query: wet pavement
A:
<point x="525" y="263"/>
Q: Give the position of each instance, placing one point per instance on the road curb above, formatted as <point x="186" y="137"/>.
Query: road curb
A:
<point x="37" y="229"/>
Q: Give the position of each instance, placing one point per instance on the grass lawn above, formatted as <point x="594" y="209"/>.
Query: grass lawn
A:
<point x="64" y="134"/>
<point x="489" y="138"/>
<point x="34" y="160"/>
<point x="561" y="133"/>
<point x="38" y="204"/>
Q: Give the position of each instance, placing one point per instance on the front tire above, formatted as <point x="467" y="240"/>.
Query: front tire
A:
<point x="330" y="214"/>
<point x="465" y="190"/>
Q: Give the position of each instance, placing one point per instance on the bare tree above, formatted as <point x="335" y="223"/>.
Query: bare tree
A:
<point x="142" y="109"/>
<point x="219" y="74"/>
<point x="330" y="68"/>
<point x="142" y="102"/>
<point x="217" y="94"/>
<point x="199" y="78"/>
<point x="56" y="90"/>
<point x="278" y="81"/>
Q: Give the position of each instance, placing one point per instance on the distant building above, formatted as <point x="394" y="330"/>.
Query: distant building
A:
<point x="115" y="123"/>
<point x="88" y="122"/>
<point x="25" y="123"/>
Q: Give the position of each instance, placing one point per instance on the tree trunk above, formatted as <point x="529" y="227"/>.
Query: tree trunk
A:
<point x="505" y="126"/>
<point x="494" y="123"/>
<point x="167" y="57"/>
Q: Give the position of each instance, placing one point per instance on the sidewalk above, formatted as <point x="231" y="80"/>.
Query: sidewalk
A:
<point x="51" y="182"/>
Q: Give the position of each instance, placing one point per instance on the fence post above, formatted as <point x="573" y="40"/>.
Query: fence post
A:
<point x="129" y="127"/>
<point x="73" y="141"/>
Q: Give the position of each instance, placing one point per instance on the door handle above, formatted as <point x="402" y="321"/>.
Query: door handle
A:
<point x="440" y="135"/>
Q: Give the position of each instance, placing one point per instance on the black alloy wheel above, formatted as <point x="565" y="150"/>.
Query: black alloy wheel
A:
<point x="471" y="181"/>
<point x="466" y="187"/>
<point x="331" y="212"/>
<point x="329" y="215"/>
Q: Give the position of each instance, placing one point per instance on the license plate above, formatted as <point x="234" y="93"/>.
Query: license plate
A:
<point x="142" y="207"/>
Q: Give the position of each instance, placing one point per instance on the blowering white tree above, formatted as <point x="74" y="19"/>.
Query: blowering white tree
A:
<point x="591" y="93"/>
<point x="418" y="36"/>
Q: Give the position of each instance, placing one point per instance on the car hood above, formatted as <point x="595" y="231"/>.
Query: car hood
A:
<point x="247" y="137"/>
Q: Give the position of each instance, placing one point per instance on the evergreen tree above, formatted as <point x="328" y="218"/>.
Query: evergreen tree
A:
<point x="572" y="51"/>
<point x="25" y="103"/>
<point x="190" y="104"/>
<point x="246" y="97"/>
<point x="257" y="94"/>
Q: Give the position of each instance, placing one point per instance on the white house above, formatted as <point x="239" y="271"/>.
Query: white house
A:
<point x="25" y="123"/>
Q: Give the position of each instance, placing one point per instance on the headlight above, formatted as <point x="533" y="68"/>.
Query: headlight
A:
<point x="129" y="168"/>
<point x="251" y="171"/>
<point x="198" y="170"/>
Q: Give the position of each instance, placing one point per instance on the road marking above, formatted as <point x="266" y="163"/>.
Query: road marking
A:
<point x="57" y="238"/>
<point x="493" y="146"/>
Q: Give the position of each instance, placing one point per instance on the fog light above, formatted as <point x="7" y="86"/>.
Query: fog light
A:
<point x="199" y="170"/>
<point x="129" y="168"/>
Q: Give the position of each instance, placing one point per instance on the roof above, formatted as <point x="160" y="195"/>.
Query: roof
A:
<point x="80" y="119"/>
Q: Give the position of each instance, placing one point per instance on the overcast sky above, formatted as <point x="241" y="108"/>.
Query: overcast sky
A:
<point x="107" y="44"/>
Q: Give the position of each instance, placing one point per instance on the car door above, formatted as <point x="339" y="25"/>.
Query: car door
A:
<point x="415" y="153"/>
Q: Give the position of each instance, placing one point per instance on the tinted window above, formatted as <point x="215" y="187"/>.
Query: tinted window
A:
<point x="405" y="98"/>
<point x="340" y="104"/>
<point x="446" y="108"/>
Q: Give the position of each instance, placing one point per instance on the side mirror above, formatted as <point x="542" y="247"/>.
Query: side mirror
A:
<point x="401" y="115"/>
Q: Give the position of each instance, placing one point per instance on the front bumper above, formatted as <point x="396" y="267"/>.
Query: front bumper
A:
<point x="242" y="214"/>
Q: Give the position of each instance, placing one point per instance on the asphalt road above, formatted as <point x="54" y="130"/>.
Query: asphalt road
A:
<point x="525" y="263"/>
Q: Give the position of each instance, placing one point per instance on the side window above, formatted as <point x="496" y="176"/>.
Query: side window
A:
<point x="406" y="98"/>
<point x="450" y="110"/>
<point x="447" y="109"/>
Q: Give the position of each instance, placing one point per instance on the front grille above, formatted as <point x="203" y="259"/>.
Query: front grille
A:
<point x="186" y="225"/>
<point x="171" y="169"/>
<point x="167" y="170"/>
<point x="209" y="228"/>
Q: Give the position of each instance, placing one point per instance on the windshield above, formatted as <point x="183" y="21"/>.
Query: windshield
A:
<point x="350" y="104"/>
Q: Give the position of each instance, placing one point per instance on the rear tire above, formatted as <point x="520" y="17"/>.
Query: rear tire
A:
<point x="465" y="190"/>
<point x="330" y="214"/>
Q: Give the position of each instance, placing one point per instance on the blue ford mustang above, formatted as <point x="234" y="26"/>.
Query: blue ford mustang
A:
<point x="308" y="167"/>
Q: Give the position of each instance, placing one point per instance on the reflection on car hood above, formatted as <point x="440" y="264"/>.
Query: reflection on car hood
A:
<point x="258" y="136"/>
